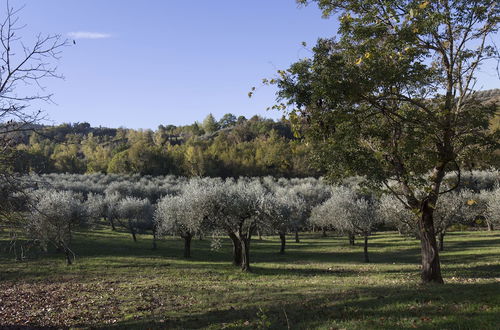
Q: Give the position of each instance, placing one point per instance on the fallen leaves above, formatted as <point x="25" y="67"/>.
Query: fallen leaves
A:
<point x="56" y="304"/>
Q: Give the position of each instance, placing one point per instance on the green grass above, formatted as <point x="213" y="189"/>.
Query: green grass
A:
<point x="318" y="283"/>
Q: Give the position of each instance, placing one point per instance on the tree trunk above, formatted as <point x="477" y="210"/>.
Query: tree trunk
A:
<point x="154" y="239"/>
<point x="366" y="249"/>
<point x="69" y="262"/>
<point x="324" y="232"/>
<point x="441" y="241"/>
<point x="245" y="254"/>
<point x="283" y="242"/>
<point x="490" y="225"/>
<point x="112" y="223"/>
<point x="132" y="231"/>
<point x="236" y="249"/>
<point x="260" y="235"/>
<point x="297" y="239"/>
<point x="187" y="245"/>
<point x="431" y="268"/>
<point x="351" y="239"/>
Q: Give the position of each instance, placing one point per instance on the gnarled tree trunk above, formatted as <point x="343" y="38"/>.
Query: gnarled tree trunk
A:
<point x="245" y="254"/>
<point x="236" y="249"/>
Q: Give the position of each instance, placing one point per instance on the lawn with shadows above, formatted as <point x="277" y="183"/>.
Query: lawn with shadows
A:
<point x="320" y="282"/>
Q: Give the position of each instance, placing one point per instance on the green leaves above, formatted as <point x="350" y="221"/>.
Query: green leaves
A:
<point x="389" y="95"/>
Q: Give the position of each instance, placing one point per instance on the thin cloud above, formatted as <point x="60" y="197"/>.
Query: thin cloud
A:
<point x="89" y="35"/>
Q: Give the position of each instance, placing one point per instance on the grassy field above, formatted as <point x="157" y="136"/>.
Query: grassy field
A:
<point x="319" y="283"/>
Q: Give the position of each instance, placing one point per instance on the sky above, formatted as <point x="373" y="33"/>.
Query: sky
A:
<point x="139" y="64"/>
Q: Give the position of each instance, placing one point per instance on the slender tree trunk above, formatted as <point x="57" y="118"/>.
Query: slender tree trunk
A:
<point x="366" y="249"/>
<point x="324" y="232"/>
<point x="283" y="243"/>
<point x="200" y="236"/>
<point x="154" y="238"/>
<point x="260" y="235"/>
<point x="297" y="239"/>
<point x="67" y="253"/>
<point x="441" y="241"/>
<point x="236" y="249"/>
<point x="351" y="239"/>
<point x="490" y="225"/>
<point x="187" y="245"/>
<point x="132" y="231"/>
<point x="112" y="223"/>
<point x="431" y="268"/>
<point x="245" y="254"/>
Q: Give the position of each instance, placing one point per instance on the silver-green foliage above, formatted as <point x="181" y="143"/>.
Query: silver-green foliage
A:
<point x="346" y="212"/>
<point x="53" y="215"/>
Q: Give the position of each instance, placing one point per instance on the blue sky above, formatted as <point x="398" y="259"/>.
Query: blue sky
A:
<point x="139" y="64"/>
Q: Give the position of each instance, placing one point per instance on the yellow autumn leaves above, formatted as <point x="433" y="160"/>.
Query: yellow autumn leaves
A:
<point x="423" y="5"/>
<point x="360" y="60"/>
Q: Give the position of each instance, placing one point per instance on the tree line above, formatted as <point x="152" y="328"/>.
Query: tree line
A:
<point x="228" y="147"/>
<point x="52" y="207"/>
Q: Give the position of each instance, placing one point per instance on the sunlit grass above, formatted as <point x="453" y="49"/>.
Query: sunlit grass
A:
<point x="319" y="283"/>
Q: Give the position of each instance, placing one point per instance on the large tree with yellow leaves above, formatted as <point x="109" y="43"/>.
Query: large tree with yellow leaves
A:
<point x="392" y="98"/>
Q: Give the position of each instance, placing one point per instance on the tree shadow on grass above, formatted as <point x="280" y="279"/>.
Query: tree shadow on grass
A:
<point x="435" y="307"/>
<point x="479" y="271"/>
<point x="120" y="252"/>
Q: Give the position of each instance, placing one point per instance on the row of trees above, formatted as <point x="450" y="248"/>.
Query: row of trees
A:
<point x="237" y="208"/>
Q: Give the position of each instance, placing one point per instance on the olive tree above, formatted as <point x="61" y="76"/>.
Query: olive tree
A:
<point x="297" y="208"/>
<point x="111" y="208"/>
<point x="393" y="213"/>
<point x="96" y="206"/>
<point x="278" y="209"/>
<point x="308" y="195"/>
<point x="452" y="208"/>
<point x="393" y="98"/>
<point x="493" y="207"/>
<point x="347" y="213"/>
<point x="186" y="214"/>
<point x="238" y="210"/>
<point x="53" y="215"/>
<point x="135" y="215"/>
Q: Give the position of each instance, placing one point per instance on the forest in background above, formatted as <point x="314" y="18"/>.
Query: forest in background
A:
<point x="229" y="147"/>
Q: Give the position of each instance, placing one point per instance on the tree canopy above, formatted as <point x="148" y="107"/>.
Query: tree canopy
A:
<point x="392" y="97"/>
